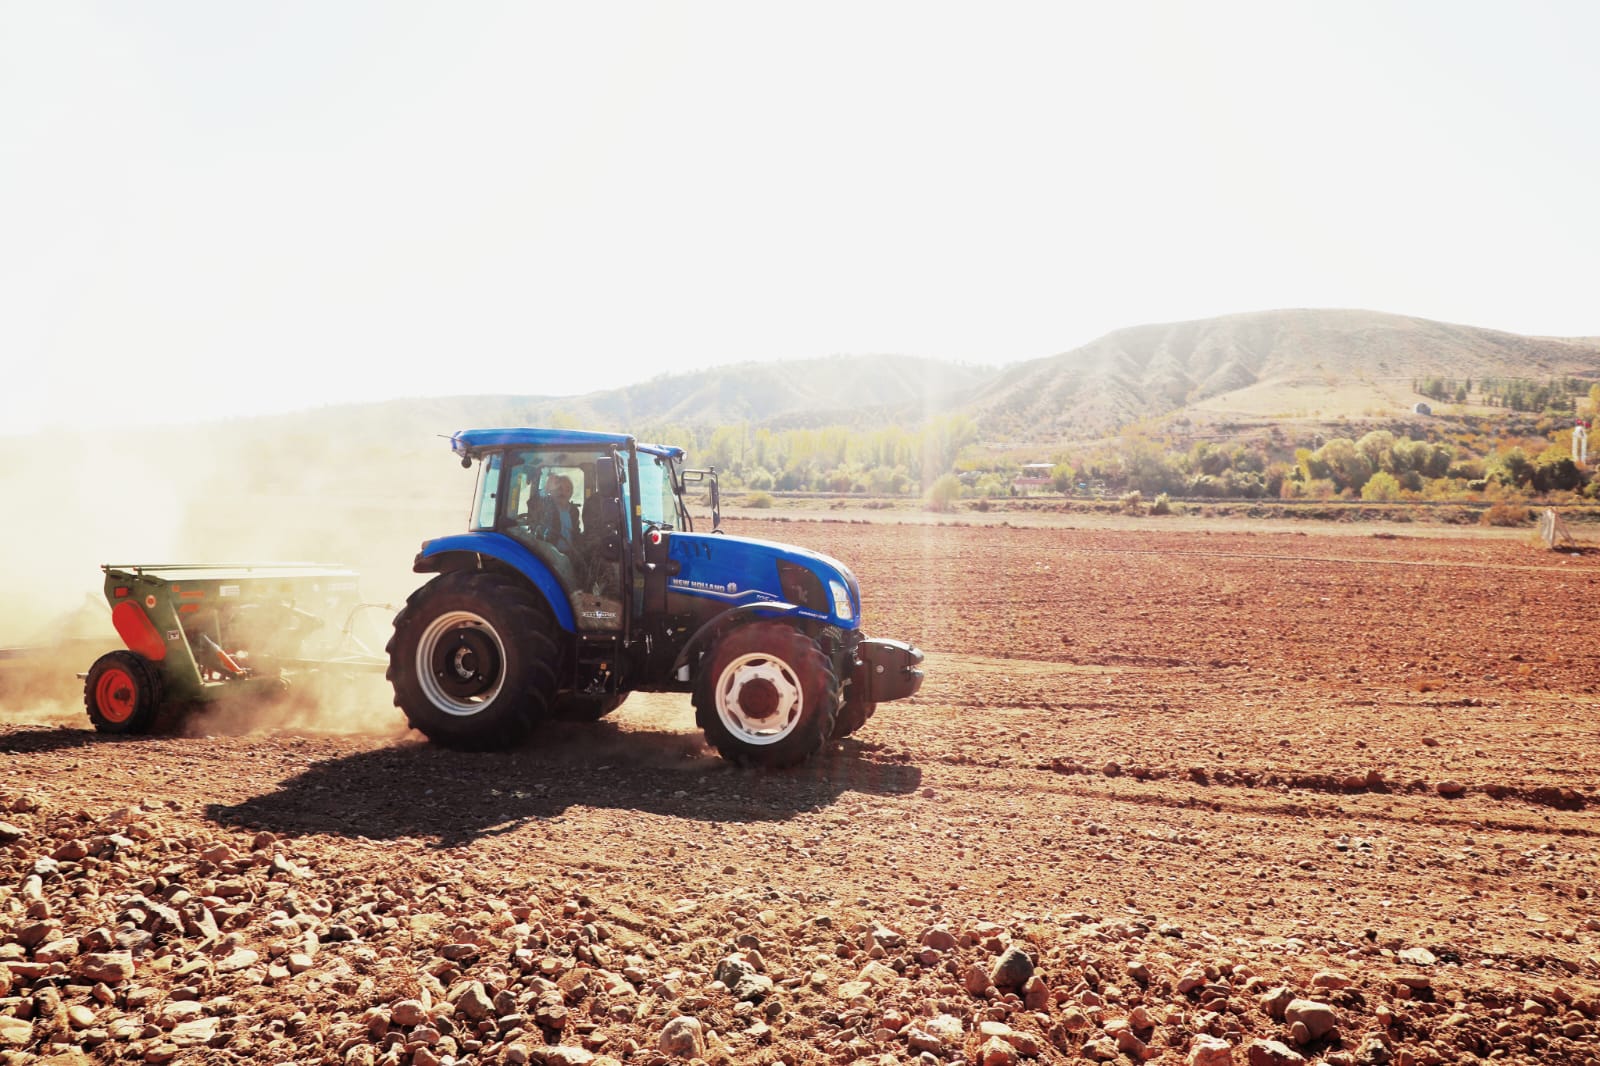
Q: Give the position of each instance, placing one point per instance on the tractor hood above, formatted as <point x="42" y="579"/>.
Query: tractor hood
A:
<point x="738" y="571"/>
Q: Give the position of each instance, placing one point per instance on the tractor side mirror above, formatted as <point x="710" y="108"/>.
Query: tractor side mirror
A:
<point x="698" y="477"/>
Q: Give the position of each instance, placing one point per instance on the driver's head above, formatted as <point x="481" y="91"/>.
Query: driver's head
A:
<point x="561" y="488"/>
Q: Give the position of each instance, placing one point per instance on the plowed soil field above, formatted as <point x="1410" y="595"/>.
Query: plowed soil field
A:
<point x="1198" y="796"/>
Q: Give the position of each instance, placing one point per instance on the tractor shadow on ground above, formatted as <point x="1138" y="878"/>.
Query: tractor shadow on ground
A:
<point x="31" y="739"/>
<point x="419" y="791"/>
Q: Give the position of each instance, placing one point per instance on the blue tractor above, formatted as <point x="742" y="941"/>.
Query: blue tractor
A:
<point x="548" y="607"/>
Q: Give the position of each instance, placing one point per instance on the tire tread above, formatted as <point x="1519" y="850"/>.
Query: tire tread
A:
<point x="806" y="657"/>
<point x="526" y="628"/>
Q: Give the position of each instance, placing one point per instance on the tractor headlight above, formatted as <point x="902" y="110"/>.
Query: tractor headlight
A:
<point x="841" y="600"/>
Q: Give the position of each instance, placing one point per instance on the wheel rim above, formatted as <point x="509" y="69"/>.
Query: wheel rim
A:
<point x="759" y="699"/>
<point x="116" y="695"/>
<point x="461" y="663"/>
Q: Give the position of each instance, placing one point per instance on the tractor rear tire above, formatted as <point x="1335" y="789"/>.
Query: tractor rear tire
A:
<point x="768" y="696"/>
<point x="122" y="693"/>
<point x="853" y="714"/>
<point x="473" y="659"/>
<point x="577" y="707"/>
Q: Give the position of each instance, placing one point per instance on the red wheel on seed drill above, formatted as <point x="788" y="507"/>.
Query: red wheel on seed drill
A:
<point x="115" y="695"/>
<point x="122" y="693"/>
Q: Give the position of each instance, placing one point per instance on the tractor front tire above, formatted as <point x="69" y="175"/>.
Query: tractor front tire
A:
<point x="472" y="660"/>
<point x="768" y="696"/>
<point x="122" y="693"/>
<point x="853" y="714"/>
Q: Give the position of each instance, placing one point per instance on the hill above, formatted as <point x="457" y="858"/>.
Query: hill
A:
<point x="855" y="390"/>
<point x="1267" y="364"/>
<point x="848" y="390"/>
<point x="1260" y="366"/>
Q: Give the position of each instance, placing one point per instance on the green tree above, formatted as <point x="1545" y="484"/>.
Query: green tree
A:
<point x="942" y="442"/>
<point x="1346" y="464"/>
<point x="1510" y="467"/>
<point x="1554" y="471"/>
<point x="1144" y="466"/>
<point x="1376" y="446"/>
<point x="1310" y="465"/>
<point x="1275" y="475"/>
<point x="887" y="480"/>
<point x="1381" y="488"/>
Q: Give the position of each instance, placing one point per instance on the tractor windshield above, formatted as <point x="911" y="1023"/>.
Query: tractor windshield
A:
<point x="658" y="496"/>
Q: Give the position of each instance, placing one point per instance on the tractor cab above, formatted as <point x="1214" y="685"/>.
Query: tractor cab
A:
<point x="581" y="504"/>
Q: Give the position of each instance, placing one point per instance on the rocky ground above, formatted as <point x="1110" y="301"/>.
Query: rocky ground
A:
<point x="1197" y="797"/>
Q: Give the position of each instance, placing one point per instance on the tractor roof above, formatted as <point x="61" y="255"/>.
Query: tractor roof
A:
<point x="472" y="442"/>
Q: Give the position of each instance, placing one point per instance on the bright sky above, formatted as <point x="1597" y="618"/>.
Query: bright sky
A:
<point x="213" y="209"/>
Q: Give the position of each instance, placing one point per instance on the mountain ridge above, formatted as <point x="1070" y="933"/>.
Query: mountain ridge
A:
<point x="1260" y="365"/>
<point x="1257" y="366"/>
<point x="1153" y="370"/>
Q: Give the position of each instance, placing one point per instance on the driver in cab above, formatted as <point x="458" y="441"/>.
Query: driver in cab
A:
<point x="555" y="517"/>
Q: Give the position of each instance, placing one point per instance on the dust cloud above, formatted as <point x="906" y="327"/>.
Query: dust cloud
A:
<point x="358" y="704"/>
<point x="301" y="488"/>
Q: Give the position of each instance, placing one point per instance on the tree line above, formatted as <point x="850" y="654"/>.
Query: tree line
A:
<point x="946" y="455"/>
<point x="1516" y="394"/>
<point x="884" y="461"/>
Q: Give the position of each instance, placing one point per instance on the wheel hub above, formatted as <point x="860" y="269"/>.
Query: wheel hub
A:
<point x="467" y="663"/>
<point x="114" y="693"/>
<point x="460" y="663"/>
<point x="759" y="699"/>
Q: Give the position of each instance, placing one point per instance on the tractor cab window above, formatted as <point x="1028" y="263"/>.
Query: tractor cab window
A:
<point x="658" y="497"/>
<point x="487" y="496"/>
<point x="533" y="475"/>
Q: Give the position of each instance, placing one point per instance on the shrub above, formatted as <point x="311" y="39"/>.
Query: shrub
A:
<point x="760" y="501"/>
<point x="1132" y="502"/>
<point x="1504" y="513"/>
<point x="1381" y="487"/>
<point x="943" y="493"/>
<point x="1163" y="505"/>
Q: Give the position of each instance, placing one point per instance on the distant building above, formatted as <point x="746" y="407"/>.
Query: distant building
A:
<point x="1420" y="408"/>
<point x="1035" y="477"/>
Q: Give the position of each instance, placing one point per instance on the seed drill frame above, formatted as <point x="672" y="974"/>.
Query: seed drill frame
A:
<point x="199" y="632"/>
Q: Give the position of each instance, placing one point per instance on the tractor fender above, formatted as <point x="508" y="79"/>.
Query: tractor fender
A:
<point x="712" y="631"/>
<point x="469" y="550"/>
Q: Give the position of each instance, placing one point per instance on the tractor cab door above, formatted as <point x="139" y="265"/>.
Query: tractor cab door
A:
<point x="659" y="512"/>
<point x="602" y="518"/>
<point x="605" y="525"/>
<point x="598" y="603"/>
<point x="563" y="503"/>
